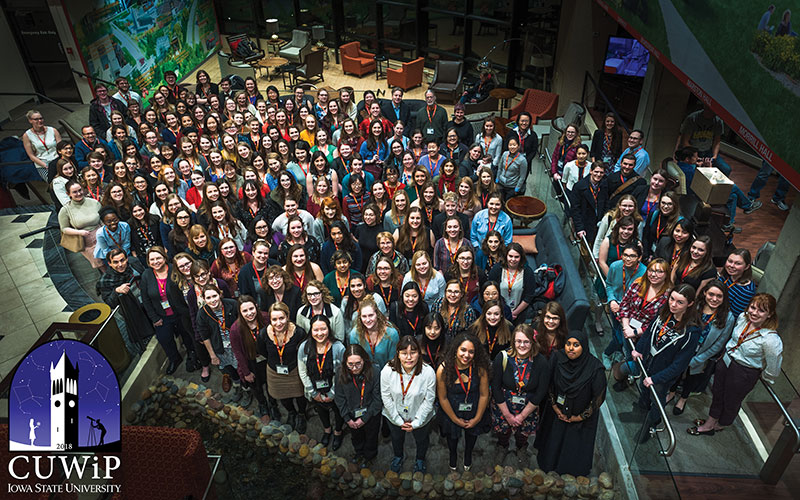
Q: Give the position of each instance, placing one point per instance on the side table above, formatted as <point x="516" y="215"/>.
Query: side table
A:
<point x="287" y="70"/>
<point x="381" y="62"/>
<point x="503" y="95"/>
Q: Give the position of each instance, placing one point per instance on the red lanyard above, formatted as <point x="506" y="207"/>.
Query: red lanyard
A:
<point x="281" y="347"/>
<point x="461" y="382"/>
<point x="40" y="137"/>
<point x="512" y="161"/>
<point x="111" y="235"/>
<point x="452" y="320"/>
<point x="414" y="325"/>
<point x="594" y="192"/>
<point x="489" y="341"/>
<point x="451" y="252"/>
<point x="744" y="337"/>
<point x="96" y="195"/>
<point x="320" y="366"/>
<point x="424" y="290"/>
<point x="511" y="280"/>
<point x="711" y="318"/>
<point x="363" y="384"/>
<point x="686" y="270"/>
<point x="257" y="275"/>
<point x="428" y="348"/>
<point x="386" y="300"/>
<point x="404" y="388"/>
<point x="342" y="289"/>
<point x="676" y="254"/>
<point x="658" y="227"/>
<point x="491" y="225"/>
<point x="372" y="346"/>
<point x="521" y="373"/>
<point x="299" y="279"/>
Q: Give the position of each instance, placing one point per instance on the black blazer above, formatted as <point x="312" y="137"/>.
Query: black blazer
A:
<point x="585" y="212"/>
<point x="213" y="89"/>
<point x="387" y="109"/>
<point x="438" y="224"/>
<point x="348" y="397"/>
<point x="208" y="328"/>
<point x="291" y="297"/>
<point x="528" y="283"/>
<point x="151" y="299"/>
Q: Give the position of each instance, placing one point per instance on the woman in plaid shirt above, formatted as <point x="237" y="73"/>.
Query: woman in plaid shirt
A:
<point x="638" y="308"/>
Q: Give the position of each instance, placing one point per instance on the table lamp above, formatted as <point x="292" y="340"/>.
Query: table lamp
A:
<point x="272" y="27"/>
<point x="318" y="34"/>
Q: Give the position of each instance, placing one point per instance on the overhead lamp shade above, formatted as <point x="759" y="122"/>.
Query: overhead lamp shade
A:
<point x="272" y="26"/>
<point x="318" y="32"/>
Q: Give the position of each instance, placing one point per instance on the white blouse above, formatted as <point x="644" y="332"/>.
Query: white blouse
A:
<point x="417" y="405"/>
<point x="762" y="350"/>
<point x="434" y="290"/>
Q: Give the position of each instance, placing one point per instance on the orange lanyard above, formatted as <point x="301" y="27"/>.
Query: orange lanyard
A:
<point x="658" y="227"/>
<point x="427" y="110"/>
<point x="301" y="278"/>
<point x="676" y="254"/>
<point x="491" y="342"/>
<point x="386" y="300"/>
<point x="235" y="273"/>
<point x="452" y="319"/>
<point x="711" y="318"/>
<point x="451" y="251"/>
<point x="257" y="275"/>
<point x="515" y="159"/>
<point x="487" y="141"/>
<point x="594" y="192"/>
<point x="96" y="195"/>
<point x="429" y="214"/>
<point x="744" y="337"/>
<point x="689" y="267"/>
<point x="428" y="348"/>
<point x="413" y="325"/>
<point x="363" y="384"/>
<point x="663" y="328"/>
<point x="425" y="289"/>
<point x="280" y="348"/>
<point x="324" y="355"/>
<point x="404" y="388"/>
<point x="118" y="244"/>
<point x="341" y="288"/>
<point x="511" y="280"/>
<point x="372" y="346"/>
<point x="222" y="327"/>
<point x="461" y="382"/>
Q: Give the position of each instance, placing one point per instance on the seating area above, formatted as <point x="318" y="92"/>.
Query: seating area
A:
<point x="355" y="61"/>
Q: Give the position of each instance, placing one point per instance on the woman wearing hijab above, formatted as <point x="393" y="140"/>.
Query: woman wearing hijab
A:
<point x="569" y="425"/>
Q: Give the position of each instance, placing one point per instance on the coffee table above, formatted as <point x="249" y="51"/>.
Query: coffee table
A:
<point x="526" y="208"/>
<point x="271" y="62"/>
<point x="503" y="95"/>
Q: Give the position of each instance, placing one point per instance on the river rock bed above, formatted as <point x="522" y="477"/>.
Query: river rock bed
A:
<point x="265" y="459"/>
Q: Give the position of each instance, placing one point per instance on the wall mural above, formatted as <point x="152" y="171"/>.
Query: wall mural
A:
<point x="141" y="39"/>
<point x="739" y="56"/>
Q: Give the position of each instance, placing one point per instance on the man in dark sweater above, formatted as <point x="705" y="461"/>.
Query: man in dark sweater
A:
<point x="589" y="202"/>
<point x="626" y="181"/>
<point x="431" y="119"/>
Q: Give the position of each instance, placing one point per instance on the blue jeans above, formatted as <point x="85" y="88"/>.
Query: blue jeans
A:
<point x="761" y="180"/>
<point x="737" y="199"/>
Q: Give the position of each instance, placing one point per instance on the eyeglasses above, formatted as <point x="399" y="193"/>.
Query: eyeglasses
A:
<point x="355" y="365"/>
<point x="656" y="271"/>
<point x="313" y="294"/>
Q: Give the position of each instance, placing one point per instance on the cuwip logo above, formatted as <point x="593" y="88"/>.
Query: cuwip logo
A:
<point x="65" y="398"/>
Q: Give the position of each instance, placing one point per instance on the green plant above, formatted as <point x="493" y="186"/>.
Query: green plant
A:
<point x="778" y="53"/>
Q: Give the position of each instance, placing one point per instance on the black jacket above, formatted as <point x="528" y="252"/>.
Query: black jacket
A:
<point x="98" y="119"/>
<point x="249" y="284"/>
<point x="638" y="188"/>
<point x="208" y="328"/>
<point x="348" y="397"/>
<point x="438" y="224"/>
<point x="387" y="110"/>
<point x="151" y="299"/>
<point x="466" y="134"/>
<point x="586" y="212"/>
<point x="528" y="281"/>
<point x="596" y="150"/>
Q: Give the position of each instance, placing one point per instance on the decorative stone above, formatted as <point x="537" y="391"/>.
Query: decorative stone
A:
<point x="325" y="470"/>
<point x="448" y="485"/>
<point x="405" y="483"/>
<point x="146" y="394"/>
<point x="605" y="480"/>
<point x="180" y="424"/>
<point x="417" y="486"/>
<point x="215" y="405"/>
<point x="606" y="495"/>
<point x="303" y="451"/>
<point x="513" y="482"/>
<point x="571" y="489"/>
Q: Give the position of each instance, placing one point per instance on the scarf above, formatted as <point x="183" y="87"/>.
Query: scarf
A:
<point x="572" y="375"/>
<point x="447" y="183"/>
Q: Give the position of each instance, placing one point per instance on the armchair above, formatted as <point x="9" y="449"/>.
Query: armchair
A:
<point x="540" y="104"/>
<point x="296" y="50"/>
<point x="410" y="75"/>
<point x="355" y="60"/>
<point x="312" y="67"/>
<point x="447" y="79"/>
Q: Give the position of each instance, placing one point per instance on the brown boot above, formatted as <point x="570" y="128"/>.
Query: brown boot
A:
<point x="226" y="382"/>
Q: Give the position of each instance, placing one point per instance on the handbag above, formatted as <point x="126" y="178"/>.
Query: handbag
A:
<point x="72" y="242"/>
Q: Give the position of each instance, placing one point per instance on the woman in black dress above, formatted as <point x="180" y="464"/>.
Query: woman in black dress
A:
<point x="569" y="424"/>
<point x="462" y="382"/>
<point x="407" y="313"/>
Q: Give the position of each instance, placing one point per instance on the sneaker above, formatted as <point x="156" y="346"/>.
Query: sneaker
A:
<point x="397" y="464"/>
<point x="467" y="468"/>
<point x="780" y="204"/>
<point x="753" y="207"/>
<point x="226" y="382"/>
<point x="420" y="466"/>
<point x="730" y="228"/>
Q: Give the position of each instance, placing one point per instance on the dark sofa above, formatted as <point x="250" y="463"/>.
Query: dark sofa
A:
<point x="554" y="248"/>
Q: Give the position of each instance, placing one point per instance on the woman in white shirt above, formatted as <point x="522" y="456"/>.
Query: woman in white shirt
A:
<point x="754" y="350"/>
<point x="431" y="282"/>
<point x="578" y="168"/>
<point x="408" y="391"/>
<point x="317" y="300"/>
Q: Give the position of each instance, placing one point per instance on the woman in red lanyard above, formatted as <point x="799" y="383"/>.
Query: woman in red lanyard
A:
<point x="433" y="340"/>
<point x="318" y="360"/>
<point x="462" y="382"/>
<point x="520" y="379"/>
<point x="252" y="366"/>
<point x="408" y="391"/>
<point x="300" y="268"/>
<point x="754" y="351"/>
<point x="279" y="343"/>
<point x="358" y="397"/>
<point x="466" y="272"/>
<point x="493" y="330"/>
<point x="408" y="312"/>
<point x="455" y="309"/>
<point x="385" y="280"/>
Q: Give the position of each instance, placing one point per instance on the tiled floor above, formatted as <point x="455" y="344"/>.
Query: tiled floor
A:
<point x="28" y="300"/>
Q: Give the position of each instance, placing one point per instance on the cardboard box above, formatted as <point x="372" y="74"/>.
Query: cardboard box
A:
<point x="711" y="185"/>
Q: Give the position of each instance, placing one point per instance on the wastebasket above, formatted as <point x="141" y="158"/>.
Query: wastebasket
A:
<point x="109" y="341"/>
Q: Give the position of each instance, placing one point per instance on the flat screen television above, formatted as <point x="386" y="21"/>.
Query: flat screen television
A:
<point x="626" y="56"/>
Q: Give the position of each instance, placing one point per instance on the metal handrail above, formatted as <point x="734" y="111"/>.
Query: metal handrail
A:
<point x="654" y="395"/>
<point x="789" y="419"/>
<point x="40" y="96"/>
<point x="92" y="78"/>
<point x="783" y="452"/>
<point x="587" y="76"/>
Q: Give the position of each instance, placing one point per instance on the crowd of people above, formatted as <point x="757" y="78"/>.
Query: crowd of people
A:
<point x="357" y="258"/>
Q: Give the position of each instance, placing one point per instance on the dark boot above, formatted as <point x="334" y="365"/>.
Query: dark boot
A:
<point x="191" y="362"/>
<point x="274" y="411"/>
<point x="300" y="423"/>
<point x="337" y="441"/>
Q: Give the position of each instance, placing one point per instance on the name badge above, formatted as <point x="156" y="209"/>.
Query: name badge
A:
<point x="282" y="369"/>
<point x="636" y="324"/>
<point x="561" y="400"/>
<point x="560" y="164"/>
<point x="322" y="384"/>
<point x="429" y="131"/>
<point x="165" y="304"/>
<point x="360" y="412"/>
<point x="518" y="400"/>
<point x="607" y="160"/>
<point x="404" y="410"/>
<point x="464" y="406"/>
<point x="726" y="359"/>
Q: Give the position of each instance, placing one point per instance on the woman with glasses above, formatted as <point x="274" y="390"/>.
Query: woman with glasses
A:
<point x="550" y="329"/>
<point x="516" y="281"/>
<point x="385" y="281"/>
<point x="455" y="309"/>
<point x="317" y="301"/>
<point x="520" y="379"/>
<point x="282" y="289"/>
<point x="661" y="222"/>
<point x="230" y="261"/>
<point x="431" y="282"/>
<point x="200" y="277"/>
<point x="386" y="249"/>
<point x="318" y="377"/>
<point x="358" y="397"/>
<point x="466" y="272"/>
<point x="490" y="290"/>
<point x="446" y="248"/>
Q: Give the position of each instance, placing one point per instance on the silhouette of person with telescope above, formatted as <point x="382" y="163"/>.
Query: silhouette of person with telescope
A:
<point x="100" y="427"/>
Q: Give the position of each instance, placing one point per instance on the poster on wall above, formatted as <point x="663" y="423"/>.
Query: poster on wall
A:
<point x="740" y="57"/>
<point x="141" y="39"/>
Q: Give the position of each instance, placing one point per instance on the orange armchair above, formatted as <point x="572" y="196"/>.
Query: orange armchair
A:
<point x="540" y="104"/>
<point x="355" y="60"/>
<point x="410" y="75"/>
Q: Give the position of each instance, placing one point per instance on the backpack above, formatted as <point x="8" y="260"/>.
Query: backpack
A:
<point x="549" y="281"/>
